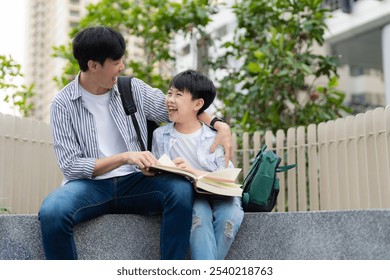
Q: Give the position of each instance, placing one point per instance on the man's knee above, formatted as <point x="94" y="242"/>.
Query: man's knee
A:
<point x="180" y="191"/>
<point x="51" y="210"/>
<point x="178" y="185"/>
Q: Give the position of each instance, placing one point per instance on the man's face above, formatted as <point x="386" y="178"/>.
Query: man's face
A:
<point x="108" y="72"/>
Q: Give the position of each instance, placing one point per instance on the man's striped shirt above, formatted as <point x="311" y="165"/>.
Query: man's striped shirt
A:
<point x="74" y="130"/>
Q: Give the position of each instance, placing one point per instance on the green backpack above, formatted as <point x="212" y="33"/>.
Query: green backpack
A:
<point x="261" y="185"/>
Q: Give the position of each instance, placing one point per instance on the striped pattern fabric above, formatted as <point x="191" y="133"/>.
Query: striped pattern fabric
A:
<point x="74" y="131"/>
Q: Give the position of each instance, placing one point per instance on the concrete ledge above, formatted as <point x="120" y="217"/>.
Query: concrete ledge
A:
<point x="362" y="234"/>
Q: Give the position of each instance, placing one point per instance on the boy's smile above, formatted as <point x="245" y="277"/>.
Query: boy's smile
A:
<point x="180" y="105"/>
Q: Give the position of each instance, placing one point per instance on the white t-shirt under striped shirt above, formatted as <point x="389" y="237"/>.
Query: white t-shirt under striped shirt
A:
<point x="109" y="138"/>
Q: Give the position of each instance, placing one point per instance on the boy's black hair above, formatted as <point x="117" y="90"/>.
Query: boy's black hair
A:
<point x="98" y="43"/>
<point x="197" y="84"/>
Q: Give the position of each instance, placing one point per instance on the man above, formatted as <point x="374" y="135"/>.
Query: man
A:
<point x="97" y="150"/>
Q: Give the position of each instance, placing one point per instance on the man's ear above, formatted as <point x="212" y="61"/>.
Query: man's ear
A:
<point x="199" y="104"/>
<point x="92" y="65"/>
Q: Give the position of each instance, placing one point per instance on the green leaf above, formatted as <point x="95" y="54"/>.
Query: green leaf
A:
<point x="258" y="54"/>
<point x="333" y="82"/>
<point x="254" y="67"/>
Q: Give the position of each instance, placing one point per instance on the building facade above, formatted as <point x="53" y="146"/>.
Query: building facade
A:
<point x="359" y="35"/>
<point x="49" y="23"/>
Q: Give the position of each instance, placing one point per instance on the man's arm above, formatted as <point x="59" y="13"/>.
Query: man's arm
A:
<point x="68" y="152"/>
<point x="224" y="136"/>
<point x="142" y="159"/>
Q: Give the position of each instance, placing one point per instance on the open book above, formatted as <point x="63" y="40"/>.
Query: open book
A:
<point x="220" y="182"/>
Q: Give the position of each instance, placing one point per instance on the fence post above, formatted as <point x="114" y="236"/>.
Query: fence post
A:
<point x="301" y="172"/>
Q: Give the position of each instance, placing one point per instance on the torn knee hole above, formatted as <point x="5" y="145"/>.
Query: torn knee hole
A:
<point x="228" y="229"/>
<point x="196" y="222"/>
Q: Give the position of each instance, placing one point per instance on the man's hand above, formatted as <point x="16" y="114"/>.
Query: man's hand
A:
<point x="224" y="138"/>
<point x="146" y="172"/>
<point x="142" y="159"/>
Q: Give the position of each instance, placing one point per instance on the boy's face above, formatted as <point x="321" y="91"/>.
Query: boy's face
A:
<point x="181" y="107"/>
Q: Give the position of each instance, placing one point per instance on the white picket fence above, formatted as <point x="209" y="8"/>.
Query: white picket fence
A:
<point x="341" y="164"/>
<point x="28" y="168"/>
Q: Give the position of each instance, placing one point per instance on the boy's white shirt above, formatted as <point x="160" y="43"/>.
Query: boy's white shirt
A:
<point x="185" y="147"/>
<point x="164" y="139"/>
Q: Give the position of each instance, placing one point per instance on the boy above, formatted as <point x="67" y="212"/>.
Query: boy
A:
<point x="215" y="221"/>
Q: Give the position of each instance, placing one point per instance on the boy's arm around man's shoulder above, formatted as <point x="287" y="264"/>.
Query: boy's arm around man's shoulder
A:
<point x="224" y="136"/>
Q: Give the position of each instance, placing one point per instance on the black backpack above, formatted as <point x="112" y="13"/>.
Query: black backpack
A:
<point x="126" y="93"/>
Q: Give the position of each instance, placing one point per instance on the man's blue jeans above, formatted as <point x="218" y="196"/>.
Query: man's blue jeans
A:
<point x="82" y="200"/>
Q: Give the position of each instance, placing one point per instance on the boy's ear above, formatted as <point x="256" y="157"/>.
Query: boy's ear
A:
<point x="199" y="104"/>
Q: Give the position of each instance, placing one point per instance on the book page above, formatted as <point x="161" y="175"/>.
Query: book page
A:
<point x="165" y="160"/>
<point x="220" y="183"/>
<point x="166" y="164"/>
<point x="223" y="175"/>
<point x="218" y="190"/>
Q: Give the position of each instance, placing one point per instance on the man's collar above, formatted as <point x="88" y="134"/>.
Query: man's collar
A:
<point x="77" y="93"/>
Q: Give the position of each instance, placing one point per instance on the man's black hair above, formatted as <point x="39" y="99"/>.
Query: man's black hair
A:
<point x="197" y="84"/>
<point x="98" y="43"/>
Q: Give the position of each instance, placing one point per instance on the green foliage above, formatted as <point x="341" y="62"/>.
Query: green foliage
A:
<point x="11" y="93"/>
<point x="281" y="82"/>
<point x="71" y="68"/>
<point x="154" y="23"/>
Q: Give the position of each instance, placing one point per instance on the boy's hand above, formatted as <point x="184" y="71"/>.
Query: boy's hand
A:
<point x="182" y="163"/>
<point x="224" y="138"/>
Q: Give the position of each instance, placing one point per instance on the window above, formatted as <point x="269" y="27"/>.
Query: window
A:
<point x="185" y="50"/>
<point x="74" y="13"/>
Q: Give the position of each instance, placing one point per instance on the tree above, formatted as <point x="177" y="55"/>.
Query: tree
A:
<point x="281" y="81"/>
<point x="154" y="23"/>
<point x="11" y="92"/>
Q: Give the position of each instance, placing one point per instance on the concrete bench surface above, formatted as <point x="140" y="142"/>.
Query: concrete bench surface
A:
<point x="327" y="235"/>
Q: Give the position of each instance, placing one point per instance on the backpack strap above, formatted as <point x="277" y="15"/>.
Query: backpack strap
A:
<point x="126" y="94"/>
<point x="285" y="167"/>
